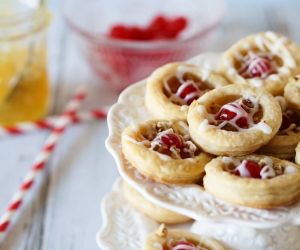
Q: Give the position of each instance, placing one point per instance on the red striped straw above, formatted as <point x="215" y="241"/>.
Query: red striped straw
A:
<point x="40" y="161"/>
<point x="48" y="123"/>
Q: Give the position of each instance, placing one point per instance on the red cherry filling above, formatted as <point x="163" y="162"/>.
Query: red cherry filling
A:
<point x="248" y="169"/>
<point x="161" y="27"/>
<point x="225" y="115"/>
<point x="189" y="92"/>
<point x="172" y="140"/>
<point x="242" y="122"/>
<point x="228" y="115"/>
<point x="257" y="66"/>
<point x="183" y="245"/>
<point x="167" y="141"/>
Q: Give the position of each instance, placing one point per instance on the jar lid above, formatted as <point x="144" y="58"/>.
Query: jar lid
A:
<point x="21" y="18"/>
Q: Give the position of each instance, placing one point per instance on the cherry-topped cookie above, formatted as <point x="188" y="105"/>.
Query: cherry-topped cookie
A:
<point x="164" y="239"/>
<point x="253" y="180"/>
<point x="285" y="141"/>
<point x="164" y="151"/>
<point x="234" y="120"/>
<point x="173" y="87"/>
<point x="263" y="60"/>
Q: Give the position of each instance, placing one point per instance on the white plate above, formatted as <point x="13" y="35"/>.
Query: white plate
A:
<point x="124" y="228"/>
<point x="190" y="200"/>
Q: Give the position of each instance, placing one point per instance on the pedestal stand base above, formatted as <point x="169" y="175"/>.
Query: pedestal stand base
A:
<point x="238" y="237"/>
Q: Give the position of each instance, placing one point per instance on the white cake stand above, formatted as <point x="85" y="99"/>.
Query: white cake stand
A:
<point x="236" y="226"/>
<point x="123" y="226"/>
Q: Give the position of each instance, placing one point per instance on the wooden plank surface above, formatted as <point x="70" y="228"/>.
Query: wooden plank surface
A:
<point x="65" y="213"/>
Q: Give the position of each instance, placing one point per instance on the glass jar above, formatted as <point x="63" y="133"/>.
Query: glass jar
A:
<point x="24" y="87"/>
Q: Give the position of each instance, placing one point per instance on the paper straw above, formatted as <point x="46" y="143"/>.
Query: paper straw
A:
<point x="48" y="123"/>
<point x="40" y="161"/>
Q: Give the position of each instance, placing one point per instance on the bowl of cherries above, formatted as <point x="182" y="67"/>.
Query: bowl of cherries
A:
<point x="125" y="40"/>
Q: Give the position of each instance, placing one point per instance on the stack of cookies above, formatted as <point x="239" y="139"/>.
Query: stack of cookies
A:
<point x="233" y="129"/>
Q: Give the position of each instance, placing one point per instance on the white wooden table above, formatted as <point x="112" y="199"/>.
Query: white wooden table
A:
<point x="65" y="213"/>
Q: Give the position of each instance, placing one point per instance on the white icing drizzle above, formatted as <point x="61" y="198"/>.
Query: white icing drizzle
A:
<point x="157" y="139"/>
<point x="267" y="172"/>
<point x="243" y="169"/>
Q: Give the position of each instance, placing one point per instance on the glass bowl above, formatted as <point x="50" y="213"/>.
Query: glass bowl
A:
<point x="119" y="63"/>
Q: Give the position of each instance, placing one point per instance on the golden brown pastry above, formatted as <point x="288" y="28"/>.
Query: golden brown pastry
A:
<point x="283" y="144"/>
<point x="164" y="239"/>
<point x="164" y="152"/>
<point x="254" y="180"/>
<point x="263" y="60"/>
<point x="153" y="211"/>
<point x="292" y="92"/>
<point x="234" y="120"/>
<point x="173" y="87"/>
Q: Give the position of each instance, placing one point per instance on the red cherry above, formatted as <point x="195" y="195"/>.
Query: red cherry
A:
<point x="172" y="139"/>
<point x="242" y="122"/>
<point x="286" y="122"/>
<point x="258" y="66"/>
<point x="188" y="89"/>
<point x="182" y="245"/>
<point x="190" y="100"/>
<point x="119" y="31"/>
<point x="160" y="27"/>
<point x="179" y="23"/>
<point x="253" y="168"/>
<point x="159" y="23"/>
<point x="225" y="115"/>
<point x="175" y="26"/>
<point x="136" y="33"/>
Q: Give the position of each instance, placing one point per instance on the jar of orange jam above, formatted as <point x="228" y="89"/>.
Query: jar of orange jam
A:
<point x="24" y="87"/>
